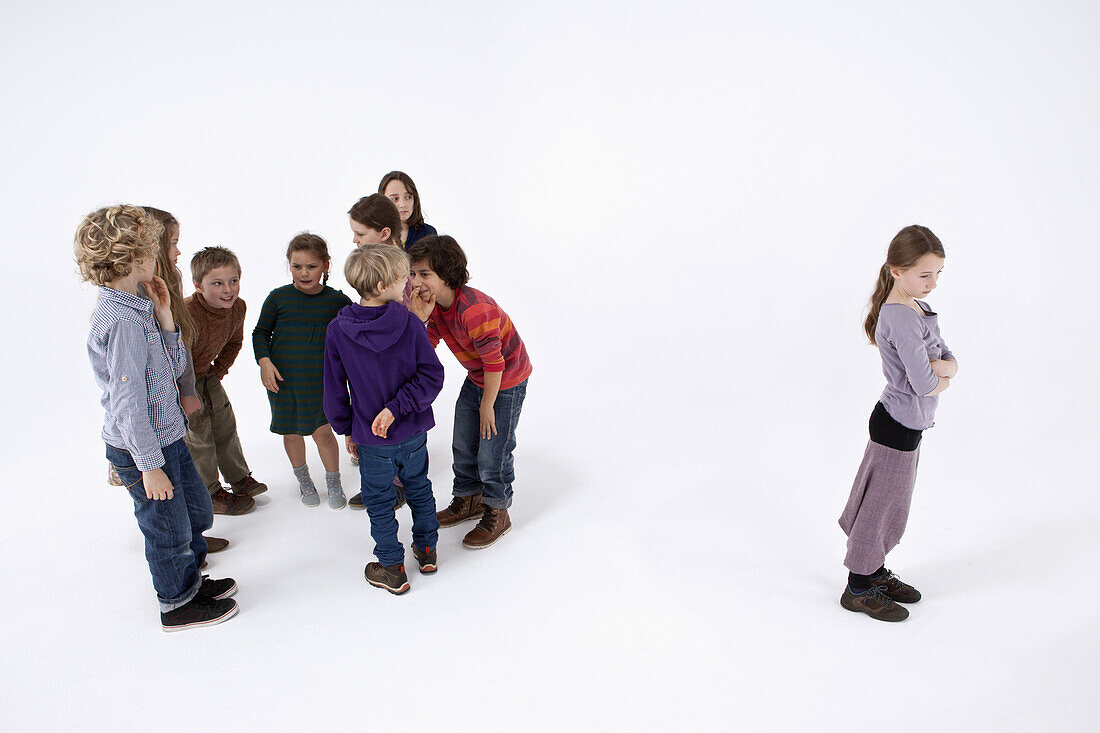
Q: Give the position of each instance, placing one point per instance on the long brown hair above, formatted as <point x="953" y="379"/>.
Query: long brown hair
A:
<point x="907" y="246"/>
<point x="171" y="276"/>
<point x="416" y="218"/>
<point x="306" y="242"/>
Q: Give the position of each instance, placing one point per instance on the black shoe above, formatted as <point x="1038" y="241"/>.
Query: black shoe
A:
<point x="400" y="495"/>
<point x="356" y="502"/>
<point x="199" y="611"/>
<point x="217" y="589"/>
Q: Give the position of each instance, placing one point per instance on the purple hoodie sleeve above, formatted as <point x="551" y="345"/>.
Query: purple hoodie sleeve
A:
<point x="417" y="394"/>
<point x="336" y="401"/>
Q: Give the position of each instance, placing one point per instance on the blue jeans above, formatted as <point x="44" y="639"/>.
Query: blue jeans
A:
<point x="485" y="466"/>
<point x="174" y="545"/>
<point x="378" y="465"/>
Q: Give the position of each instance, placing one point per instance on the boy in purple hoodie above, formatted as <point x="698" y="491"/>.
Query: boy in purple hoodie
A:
<point x="381" y="351"/>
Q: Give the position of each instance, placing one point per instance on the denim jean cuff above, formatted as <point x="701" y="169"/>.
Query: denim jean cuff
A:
<point x="166" y="606"/>
<point x="465" y="492"/>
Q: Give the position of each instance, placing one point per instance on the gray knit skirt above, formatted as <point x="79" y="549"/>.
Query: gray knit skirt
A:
<point x="878" y="506"/>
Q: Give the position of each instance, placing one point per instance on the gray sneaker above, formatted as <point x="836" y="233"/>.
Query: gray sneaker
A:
<point x="309" y="496"/>
<point x="336" y="499"/>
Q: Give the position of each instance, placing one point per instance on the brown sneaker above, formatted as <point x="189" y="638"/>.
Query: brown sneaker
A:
<point x="426" y="559"/>
<point x="248" y="486"/>
<point x="873" y="603"/>
<point x="390" y="577"/>
<point x="231" y="504"/>
<point x="494" y="524"/>
<point x="215" y="544"/>
<point x="461" y="509"/>
<point x="892" y="587"/>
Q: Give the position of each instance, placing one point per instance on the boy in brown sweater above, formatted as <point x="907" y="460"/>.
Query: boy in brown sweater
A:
<point x="218" y="314"/>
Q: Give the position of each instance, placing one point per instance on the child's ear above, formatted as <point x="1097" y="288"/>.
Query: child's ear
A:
<point x="385" y="233"/>
<point x="197" y="284"/>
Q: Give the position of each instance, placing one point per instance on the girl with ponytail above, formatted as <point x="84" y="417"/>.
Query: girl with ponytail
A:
<point x="918" y="366"/>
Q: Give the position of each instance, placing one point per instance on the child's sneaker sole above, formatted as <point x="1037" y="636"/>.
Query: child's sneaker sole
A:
<point x="205" y="622"/>
<point x="399" y="592"/>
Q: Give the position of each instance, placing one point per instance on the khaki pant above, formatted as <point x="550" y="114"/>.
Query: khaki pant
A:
<point x="212" y="436"/>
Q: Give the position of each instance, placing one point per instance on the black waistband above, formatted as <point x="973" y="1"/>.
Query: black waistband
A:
<point x="887" y="431"/>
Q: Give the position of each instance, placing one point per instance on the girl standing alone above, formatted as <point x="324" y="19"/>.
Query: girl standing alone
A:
<point x="918" y="366"/>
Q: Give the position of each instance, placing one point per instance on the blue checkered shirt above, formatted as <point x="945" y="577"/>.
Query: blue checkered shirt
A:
<point x="136" y="364"/>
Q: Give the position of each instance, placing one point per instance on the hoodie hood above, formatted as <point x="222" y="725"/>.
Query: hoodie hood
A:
<point x="374" y="327"/>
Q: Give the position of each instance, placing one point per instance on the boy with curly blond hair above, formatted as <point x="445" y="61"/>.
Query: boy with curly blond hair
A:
<point x="137" y="354"/>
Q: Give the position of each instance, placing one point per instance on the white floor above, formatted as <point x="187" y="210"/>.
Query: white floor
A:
<point x="629" y="596"/>
<point x="683" y="207"/>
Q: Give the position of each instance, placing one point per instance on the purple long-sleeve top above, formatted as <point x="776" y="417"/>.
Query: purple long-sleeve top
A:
<point x="907" y="341"/>
<point x="378" y="357"/>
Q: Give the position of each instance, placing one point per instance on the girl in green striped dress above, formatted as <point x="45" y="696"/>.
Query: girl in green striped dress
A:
<point x="289" y="341"/>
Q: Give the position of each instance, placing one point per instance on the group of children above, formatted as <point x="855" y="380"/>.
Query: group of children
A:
<point x="367" y="369"/>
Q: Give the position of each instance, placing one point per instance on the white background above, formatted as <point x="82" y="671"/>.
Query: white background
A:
<point x="683" y="207"/>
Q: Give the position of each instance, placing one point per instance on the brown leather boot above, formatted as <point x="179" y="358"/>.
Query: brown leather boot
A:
<point x="231" y="504"/>
<point x="494" y="524"/>
<point x="461" y="509"/>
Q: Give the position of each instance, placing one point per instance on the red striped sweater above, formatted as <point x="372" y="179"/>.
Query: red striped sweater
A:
<point x="481" y="336"/>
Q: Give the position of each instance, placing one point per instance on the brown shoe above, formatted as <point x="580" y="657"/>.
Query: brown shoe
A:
<point x="426" y="559"/>
<point x="893" y="588"/>
<point x="390" y="577"/>
<point x="248" y="486"/>
<point x="494" y="524"/>
<point x="215" y="544"/>
<point x="461" y="509"/>
<point x="873" y="603"/>
<point x="231" y="504"/>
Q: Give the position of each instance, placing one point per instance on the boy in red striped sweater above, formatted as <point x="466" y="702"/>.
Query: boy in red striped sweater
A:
<point x="483" y="338"/>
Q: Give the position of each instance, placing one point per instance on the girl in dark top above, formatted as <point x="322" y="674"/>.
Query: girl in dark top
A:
<point x="918" y="366"/>
<point x="289" y="341"/>
<point x="400" y="189"/>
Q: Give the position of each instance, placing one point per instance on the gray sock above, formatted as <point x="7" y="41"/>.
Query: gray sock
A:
<point x="304" y="481"/>
<point x="332" y="480"/>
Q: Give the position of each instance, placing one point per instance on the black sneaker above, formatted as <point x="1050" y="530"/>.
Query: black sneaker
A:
<point x="426" y="559"/>
<point x="390" y="577"/>
<point x="217" y="589"/>
<point x="874" y="603"/>
<point x="199" y="611"/>
<point x="892" y="587"/>
<point x="356" y="502"/>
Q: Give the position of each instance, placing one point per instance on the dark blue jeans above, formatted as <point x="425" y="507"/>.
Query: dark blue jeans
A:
<point x="378" y="465"/>
<point x="486" y="466"/>
<point x="174" y="545"/>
